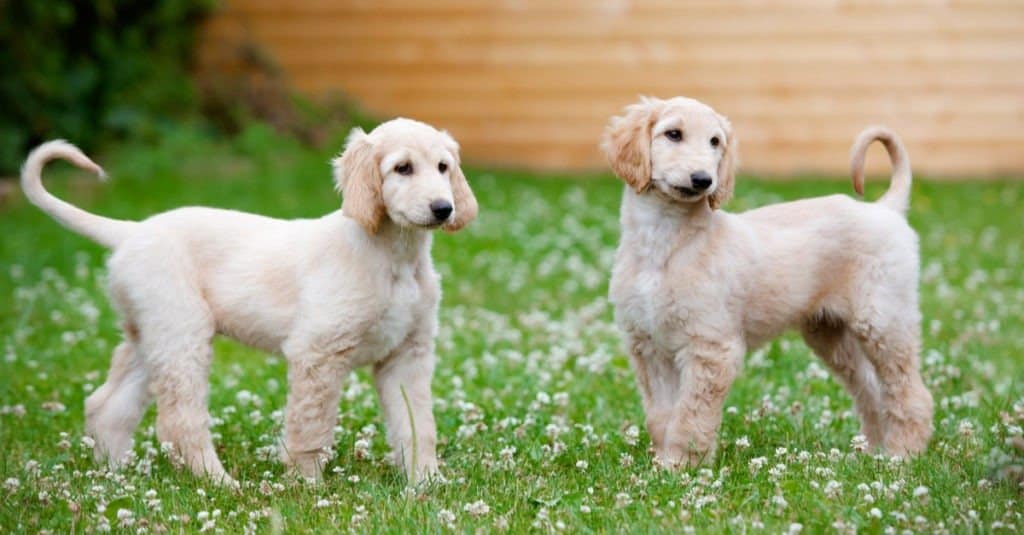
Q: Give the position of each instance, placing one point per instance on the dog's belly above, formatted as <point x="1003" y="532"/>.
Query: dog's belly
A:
<point x="256" y="331"/>
<point x="255" y="319"/>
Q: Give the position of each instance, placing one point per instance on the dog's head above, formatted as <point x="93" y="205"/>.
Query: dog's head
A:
<point x="680" y="146"/>
<point x="407" y="171"/>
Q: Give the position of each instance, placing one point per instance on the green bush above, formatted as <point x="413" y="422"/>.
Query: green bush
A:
<point x="93" y="71"/>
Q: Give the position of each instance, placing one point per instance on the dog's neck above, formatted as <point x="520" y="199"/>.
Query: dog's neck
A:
<point x="662" y="225"/>
<point x="406" y="246"/>
<point x="641" y="211"/>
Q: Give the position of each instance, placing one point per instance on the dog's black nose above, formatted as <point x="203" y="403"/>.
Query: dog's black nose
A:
<point x="700" y="180"/>
<point x="441" y="209"/>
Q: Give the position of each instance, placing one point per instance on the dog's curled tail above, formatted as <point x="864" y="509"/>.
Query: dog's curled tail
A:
<point x="898" y="195"/>
<point x="105" y="231"/>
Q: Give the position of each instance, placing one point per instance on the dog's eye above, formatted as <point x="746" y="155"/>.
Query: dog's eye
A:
<point x="442" y="167"/>
<point x="674" y="135"/>
<point x="404" y="168"/>
<point x="715" y="141"/>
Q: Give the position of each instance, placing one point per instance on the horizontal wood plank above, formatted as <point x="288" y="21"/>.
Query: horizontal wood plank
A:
<point x="532" y="83"/>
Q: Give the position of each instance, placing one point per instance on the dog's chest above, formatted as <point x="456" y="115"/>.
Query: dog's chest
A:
<point x="401" y="313"/>
<point x="641" y="301"/>
<point x="651" y="299"/>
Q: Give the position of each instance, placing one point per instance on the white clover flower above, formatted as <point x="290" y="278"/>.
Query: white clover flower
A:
<point x="757" y="463"/>
<point x="793" y="529"/>
<point x="477" y="509"/>
<point x="622" y="499"/>
<point x="833" y="489"/>
<point x="632" y="435"/>
<point x="446" y="517"/>
<point x="12" y="484"/>
<point x="920" y="491"/>
<point x="859" y="443"/>
<point x="875" y="512"/>
<point x="362" y="449"/>
<point x="32" y="467"/>
<point x="322" y="502"/>
<point x="743" y="442"/>
<point x="125" y="518"/>
<point x="585" y="509"/>
<point x="561" y="399"/>
<point x="779" y="501"/>
<point x="581" y="464"/>
<point x="53" y="406"/>
<point x="359" y="516"/>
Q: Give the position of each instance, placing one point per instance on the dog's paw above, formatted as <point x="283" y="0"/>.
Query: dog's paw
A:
<point x="427" y="472"/>
<point x="674" y="459"/>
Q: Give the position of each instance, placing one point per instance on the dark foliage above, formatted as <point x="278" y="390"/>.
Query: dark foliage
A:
<point x="93" y="71"/>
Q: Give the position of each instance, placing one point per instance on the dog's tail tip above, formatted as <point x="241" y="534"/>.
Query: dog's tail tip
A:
<point x="105" y="231"/>
<point x="898" y="195"/>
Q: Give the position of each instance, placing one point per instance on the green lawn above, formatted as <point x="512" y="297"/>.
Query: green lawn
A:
<point x="535" y="402"/>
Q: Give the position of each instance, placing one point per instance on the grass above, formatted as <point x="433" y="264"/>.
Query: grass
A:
<point x="540" y="424"/>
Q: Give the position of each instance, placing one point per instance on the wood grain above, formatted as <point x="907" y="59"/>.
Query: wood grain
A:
<point x="531" y="83"/>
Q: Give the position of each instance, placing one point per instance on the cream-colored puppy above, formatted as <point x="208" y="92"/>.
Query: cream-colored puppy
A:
<point x="695" y="288"/>
<point x="355" y="287"/>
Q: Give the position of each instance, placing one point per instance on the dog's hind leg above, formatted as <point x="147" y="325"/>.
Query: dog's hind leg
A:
<point x="180" y="383"/>
<point x="833" y="342"/>
<point x="114" y="410"/>
<point x="175" y="340"/>
<point x="892" y="345"/>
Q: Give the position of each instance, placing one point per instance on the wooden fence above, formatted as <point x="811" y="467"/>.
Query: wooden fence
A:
<point x="532" y="82"/>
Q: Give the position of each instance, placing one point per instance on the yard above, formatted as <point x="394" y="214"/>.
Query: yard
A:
<point x="540" y="424"/>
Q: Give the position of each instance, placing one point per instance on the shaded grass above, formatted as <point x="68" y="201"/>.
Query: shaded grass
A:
<point x="529" y="359"/>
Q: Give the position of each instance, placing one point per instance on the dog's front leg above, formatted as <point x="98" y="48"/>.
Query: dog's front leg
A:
<point x="403" y="385"/>
<point x="658" y="382"/>
<point x="706" y="372"/>
<point x="314" y="380"/>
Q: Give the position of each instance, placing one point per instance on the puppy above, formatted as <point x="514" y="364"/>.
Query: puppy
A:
<point x="355" y="287"/>
<point x="695" y="288"/>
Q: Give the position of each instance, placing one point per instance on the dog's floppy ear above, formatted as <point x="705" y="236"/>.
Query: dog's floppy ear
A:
<point x="627" y="143"/>
<point x="465" y="202"/>
<point x="726" y="167"/>
<point x="357" y="177"/>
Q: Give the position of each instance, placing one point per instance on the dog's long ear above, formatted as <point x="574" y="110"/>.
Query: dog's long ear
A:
<point x="357" y="177"/>
<point x="726" y="167"/>
<point x="466" y="207"/>
<point x="627" y="143"/>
